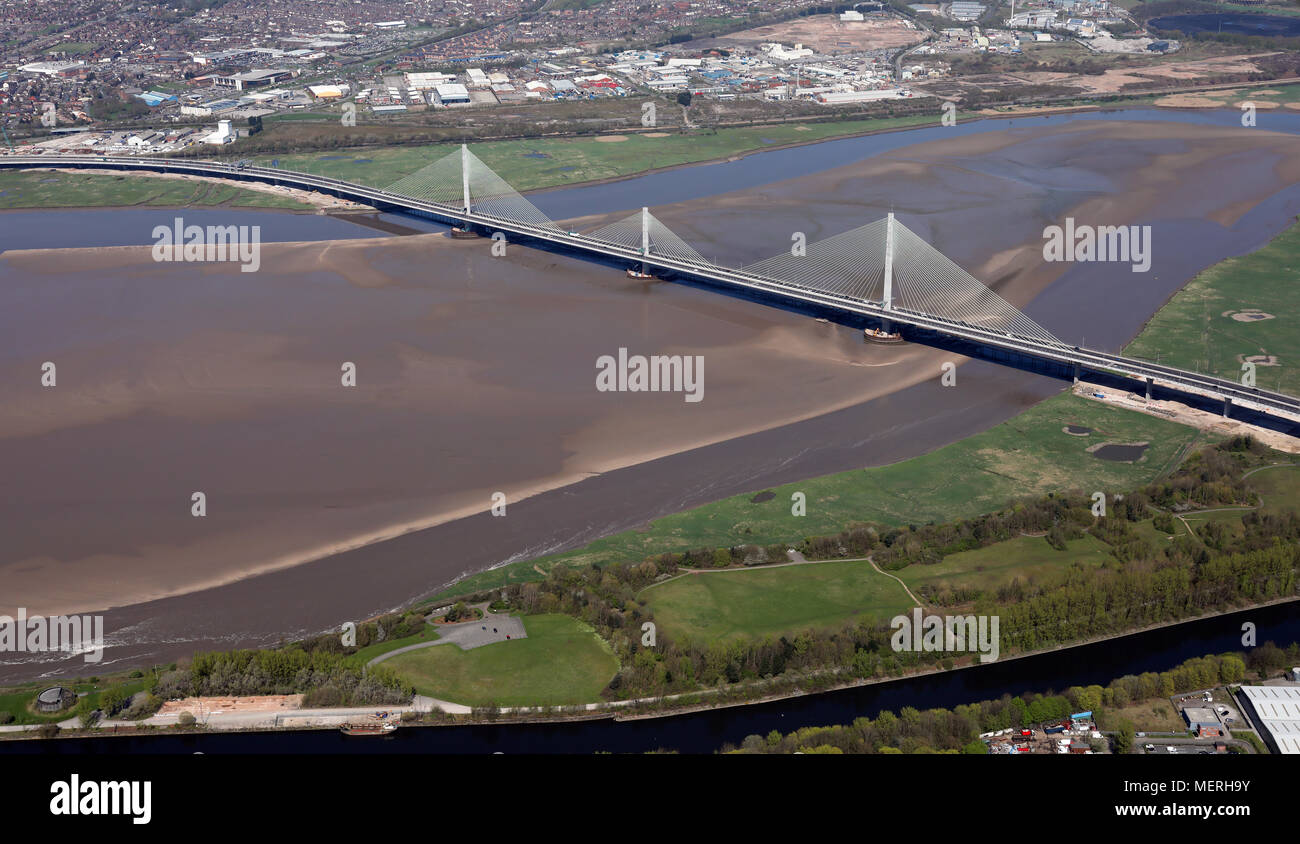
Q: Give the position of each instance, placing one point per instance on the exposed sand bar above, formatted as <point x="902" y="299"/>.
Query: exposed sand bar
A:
<point x="467" y="385"/>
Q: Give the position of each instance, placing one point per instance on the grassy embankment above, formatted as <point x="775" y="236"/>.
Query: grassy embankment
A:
<point x="1027" y="455"/>
<point x="549" y="162"/>
<point x="44" y="189"/>
<point x="1196" y="330"/>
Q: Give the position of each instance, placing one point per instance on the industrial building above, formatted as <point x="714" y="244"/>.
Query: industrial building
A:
<point x="1276" y="712"/>
<point x="252" y="79"/>
<point x="963" y="10"/>
<point x="451" y="93"/>
<point x="1203" y="721"/>
<point x="224" y="134"/>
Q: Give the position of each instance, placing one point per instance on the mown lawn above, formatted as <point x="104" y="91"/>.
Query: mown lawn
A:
<point x="769" y="601"/>
<point x="561" y="662"/>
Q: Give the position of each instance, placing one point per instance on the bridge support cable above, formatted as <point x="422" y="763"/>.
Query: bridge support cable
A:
<point x="645" y="233"/>
<point x="438" y="182"/>
<point x="926" y="280"/>
<point x="851" y="264"/>
<point x="463" y="181"/>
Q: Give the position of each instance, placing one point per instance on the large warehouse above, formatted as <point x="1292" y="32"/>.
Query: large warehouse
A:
<point x="1276" y="711"/>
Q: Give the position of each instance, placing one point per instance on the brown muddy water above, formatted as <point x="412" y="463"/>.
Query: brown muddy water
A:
<point x="477" y="374"/>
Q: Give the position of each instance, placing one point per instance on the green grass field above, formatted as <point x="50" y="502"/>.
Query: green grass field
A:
<point x="1146" y="529"/>
<point x="1279" y="487"/>
<point x="1154" y="716"/>
<point x="44" y="189"/>
<point x="1026" y="455"/>
<point x="1195" y="329"/>
<point x="561" y="662"/>
<point x="770" y="601"/>
<point x="549" y="162"/>
<point x="1028" y="557"/>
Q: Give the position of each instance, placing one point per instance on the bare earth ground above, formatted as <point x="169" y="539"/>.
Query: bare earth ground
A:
<point x="228" y="704"/>
<point x="1215" y="424"/>
<point x="1115" y="80"/>
<point x="826" y="34"/>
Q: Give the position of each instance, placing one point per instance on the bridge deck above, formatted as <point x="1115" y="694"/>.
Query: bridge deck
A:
<point x="1279" y="409"/>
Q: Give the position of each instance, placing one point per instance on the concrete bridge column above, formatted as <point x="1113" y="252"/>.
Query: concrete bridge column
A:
<point x="1227" y="403"/>
<point x="1149" y="380"/>
<point x="645" y="239"/>
<point x="1078" y="369"/>
<point x="464" y="175"/>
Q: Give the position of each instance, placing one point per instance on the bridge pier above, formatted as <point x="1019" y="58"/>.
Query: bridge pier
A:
<point x="1078" y="370"/>
<point x="1149" y="380"/>
<point x="1227" y="403"/>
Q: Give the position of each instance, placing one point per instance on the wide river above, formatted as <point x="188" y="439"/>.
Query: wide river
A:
<point x="476" y="373"/>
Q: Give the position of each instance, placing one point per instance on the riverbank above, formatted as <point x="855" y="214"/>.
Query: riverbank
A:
<point x="80" y="189"/>
<point x="613" y="711"/>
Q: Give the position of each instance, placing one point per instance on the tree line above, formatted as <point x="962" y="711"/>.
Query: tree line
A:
<point x="958" y="730"/>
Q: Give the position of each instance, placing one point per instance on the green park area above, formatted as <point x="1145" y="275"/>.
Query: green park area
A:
<point x="1027" y="455"/>
<point x="1241" y="309"/>
<point x="562" y="661"/>
<point x="1278" y="487"/>
<point x="45" y="189"/>
<point x="709" y="606"/>
<point x="18" y="703"/>
<point x="1030" y="558"/>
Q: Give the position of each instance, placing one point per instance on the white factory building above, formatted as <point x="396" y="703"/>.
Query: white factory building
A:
<point x="1276" y="711"/>
<point x="451" y="93"/>
<point x="224" y="134"/>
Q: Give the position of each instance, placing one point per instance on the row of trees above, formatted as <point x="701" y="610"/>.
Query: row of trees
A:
<point x="328" y="679"/>
<point x="958" y="730"/>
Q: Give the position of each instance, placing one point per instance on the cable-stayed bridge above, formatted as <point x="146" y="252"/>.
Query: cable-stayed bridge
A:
<point x="880" y="275"/>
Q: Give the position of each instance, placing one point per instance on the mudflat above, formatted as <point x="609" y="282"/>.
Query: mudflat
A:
<point x="477" y="374"/>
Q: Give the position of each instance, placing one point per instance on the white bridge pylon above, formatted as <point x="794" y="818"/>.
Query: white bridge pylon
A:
<point x="461" y="180"/>
<point x="645" y="233"/>
<point x="883" y="263"/>
<point x="889" y="265"/>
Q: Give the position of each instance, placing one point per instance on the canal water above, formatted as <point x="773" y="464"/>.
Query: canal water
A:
<point x="706" y="732"/>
